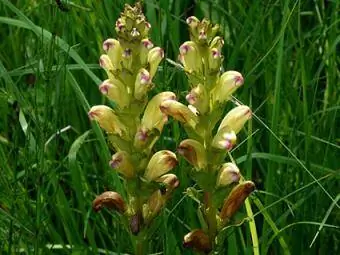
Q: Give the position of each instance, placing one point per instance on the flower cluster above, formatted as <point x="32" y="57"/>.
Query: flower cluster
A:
<point x="135" y="123"/>
<point x="224" y="190"/>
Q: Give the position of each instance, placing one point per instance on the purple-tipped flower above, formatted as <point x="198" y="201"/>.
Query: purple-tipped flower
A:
<point x="236" y="118"/>
<point x="217" y="43"/>
<point x="153" y="116"/>
<point x="194" y="152"/>
<point x="121" y="161"/>
<point x="225" y="139"/>
<point x="190" y="57"/>
<point x="142" y="84"/>
<point x="229" y="173"/>
<point x="155" y="56"/>
<point x="198" y="97"/>
<point x="228" y="83"/>
<point x="160" y="163"/>
<point x="116" y="91"/>
<point x="145" y="46"/>
<point x="179" y="112"/>
<point x="107" y="119"/>
<point x="114" y="50"/>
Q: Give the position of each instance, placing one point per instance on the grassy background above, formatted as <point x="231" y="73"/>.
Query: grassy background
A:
<point x="53" y="162"/>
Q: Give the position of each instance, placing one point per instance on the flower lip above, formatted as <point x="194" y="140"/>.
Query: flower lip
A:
<point x="239" y="80"/>
<point x="191" y="98"/>
<point x="216" y="54"/>
<point x="191" y="19"/>
<point x="144" y="78"/>
<point x="142" y="135"/>
<point x="115" y="163"/>
<point x="135" y="32"/>
<point x="127" y="52"/>
<point x="108" y="44"/>
<point x="92" y="115"/>
<point x="202" y="35"/>
<point x="104" y="87"/>
<point x="184" y="49"/>
<point x="147" y="44"/>
<point x="101" y="62"/>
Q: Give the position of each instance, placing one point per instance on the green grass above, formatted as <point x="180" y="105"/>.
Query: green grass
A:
<point x="53" y="161"/>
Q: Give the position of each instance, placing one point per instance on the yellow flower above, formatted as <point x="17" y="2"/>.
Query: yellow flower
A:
<point x="194" y="152"/>
<point x="236" y="118"/>
<point x="106" y="64"/>
<point x="153" y="117"/>
<point x="144" y="49"/>
<point x="116" y="91"/>
<point x="198" y="97"/>
<point x="190" y="57"/>
<point x="229" y="173"/>
<point x="160" y="163"/>
<point x="114" y="51"/>
<point x="142" y="84"/>
<point x="121" y="161"/>
<point x="155" y="56"/>
<point x="225" y="139"/>
<point x="107" y="119"/>
<point x="228" y="83"/>
<point x="179" y="111"/>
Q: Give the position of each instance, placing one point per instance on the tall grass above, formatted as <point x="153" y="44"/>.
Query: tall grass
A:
<point x="53" y="161"/>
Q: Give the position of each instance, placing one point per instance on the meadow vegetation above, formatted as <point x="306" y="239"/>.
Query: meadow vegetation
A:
<point x="54" y="161"/>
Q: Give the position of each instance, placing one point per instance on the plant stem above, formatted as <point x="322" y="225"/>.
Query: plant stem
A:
<point x="210" y="213"/>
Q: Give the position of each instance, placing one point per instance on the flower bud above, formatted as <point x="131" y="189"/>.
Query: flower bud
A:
<point x="114" y="51"/>
<point x="236" y="118"/>
<point x="154" y="205"/>
<point x="155" y="56"/>
<point x="145" y="138"/>
<point x="217" y="43"/>
<point x="190" y="57"/>
<point x="109" y="199"/>
<point x="194" y="152"/>
<point x="127" y="59"/>
<point x="198" y="240"/>
<point x="135" y="223"/>
<point x="193" y="22"/>
<point x="229" y="173"/>
<point x="106" y="64"/>
<point x="199" y="98"/>
<point x="121" y="161"/>
<point x="228" y="83"/>
<point x="107" y="119"/>
<point x="153" y="117"/>
<point x="179" y="112"/>
<point x="142" y="84"/>
<point x="158" y="199"/>
<point x="214" y="60"/>
<point x="170" y="180"/>
<point x="144" y="49"/>
<point x="236" y="199"/>
<point x="160" y="163"/>
<point x="115" y="91"/>
<point x="225" y="139"/>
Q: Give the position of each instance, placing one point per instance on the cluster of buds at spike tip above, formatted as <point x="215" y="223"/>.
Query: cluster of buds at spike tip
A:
<point x="134" y="123"/>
